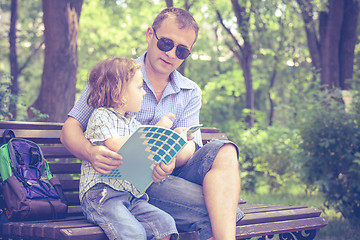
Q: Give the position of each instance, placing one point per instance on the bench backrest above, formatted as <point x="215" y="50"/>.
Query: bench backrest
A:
<point x="62" y="163"/>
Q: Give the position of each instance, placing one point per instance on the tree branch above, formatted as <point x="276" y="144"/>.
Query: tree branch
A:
<point x="28" y="59"/>
<point x="228" y="30"/>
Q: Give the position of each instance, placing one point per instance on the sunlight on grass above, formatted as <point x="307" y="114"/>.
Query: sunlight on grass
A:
<point x="337" y="229"/>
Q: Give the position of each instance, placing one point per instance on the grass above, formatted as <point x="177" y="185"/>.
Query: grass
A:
<point x="337" y="229"/>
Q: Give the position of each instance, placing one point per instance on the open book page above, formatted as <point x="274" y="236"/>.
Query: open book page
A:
<point x="143" y="150"/>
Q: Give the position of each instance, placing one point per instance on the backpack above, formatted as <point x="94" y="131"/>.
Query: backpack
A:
<point x="29" y="189"/>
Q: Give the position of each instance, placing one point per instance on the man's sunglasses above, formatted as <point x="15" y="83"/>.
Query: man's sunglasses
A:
<point x="166" y="44"/>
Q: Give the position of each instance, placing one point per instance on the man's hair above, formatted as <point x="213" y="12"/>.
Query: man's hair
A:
<point x="183" y="18"/>
<point x="107" y="81"/>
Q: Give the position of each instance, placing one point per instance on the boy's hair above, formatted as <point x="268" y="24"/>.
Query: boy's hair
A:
<point x="183" y="18"/>
<point x="108" y="80"/>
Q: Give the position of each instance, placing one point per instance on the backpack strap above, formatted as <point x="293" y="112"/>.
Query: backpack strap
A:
<point x="34" y="156"/>
<point x="6" y="133"/>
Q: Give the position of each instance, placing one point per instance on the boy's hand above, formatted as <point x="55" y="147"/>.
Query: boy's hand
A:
<point x="162" y="170"/>
<point x="166" y="121"/>
<point x="180" y="130"/>
<point x="190" y="137"/>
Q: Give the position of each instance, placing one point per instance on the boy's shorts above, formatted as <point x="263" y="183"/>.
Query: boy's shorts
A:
<point x="122" y="216"/>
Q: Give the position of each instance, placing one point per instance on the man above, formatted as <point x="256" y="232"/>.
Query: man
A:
<point x="202" y="193"/>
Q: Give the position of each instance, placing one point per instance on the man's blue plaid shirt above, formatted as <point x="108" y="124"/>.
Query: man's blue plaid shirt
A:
<point x="182" y="97"/>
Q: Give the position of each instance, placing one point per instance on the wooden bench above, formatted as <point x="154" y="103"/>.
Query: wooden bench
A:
<point x="262" y="221"/>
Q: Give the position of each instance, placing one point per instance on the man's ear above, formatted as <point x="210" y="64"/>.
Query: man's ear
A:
<point x="149" y="34"/>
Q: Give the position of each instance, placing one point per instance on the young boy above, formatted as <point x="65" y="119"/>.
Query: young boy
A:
<point x="116" y="89"/>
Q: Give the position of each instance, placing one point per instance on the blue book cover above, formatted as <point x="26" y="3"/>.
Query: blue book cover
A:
<point x="143" y="150"/>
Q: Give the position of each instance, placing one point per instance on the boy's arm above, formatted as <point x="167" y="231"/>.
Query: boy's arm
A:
<point x="102" y="159"/>
<point x="115" y="143"/>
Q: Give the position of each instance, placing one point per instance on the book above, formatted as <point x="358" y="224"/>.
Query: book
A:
<point x="190" y="130"/>
<point x="146" y="147"/>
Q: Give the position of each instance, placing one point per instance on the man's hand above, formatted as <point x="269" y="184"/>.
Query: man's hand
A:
<point x="162" y="170"/>
<point x="103" y="160"/>
<point x="166" y="121"/>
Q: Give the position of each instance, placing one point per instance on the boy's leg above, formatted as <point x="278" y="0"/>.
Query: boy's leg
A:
<point x="157" y="223"/>
<point x="106" y="207"/>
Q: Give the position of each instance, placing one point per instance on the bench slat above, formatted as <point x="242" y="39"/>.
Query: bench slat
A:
<point x="43" y="134"/>
<point x="97" y="234"/>
<point x="268" y="208"/>
<point x="65" y="168"/>
<point x="37" y="136"/>
<point x="272" y="228"/>
<point x="70" y="185"/>
<point x="282" y="215"/>
<point x="30" y="125"/>
<point x="72" y="199"/>
<point x="57" y="151"/>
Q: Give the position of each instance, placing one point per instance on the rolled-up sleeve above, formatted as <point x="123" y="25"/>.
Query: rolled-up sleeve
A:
<point x="81" y="110"/>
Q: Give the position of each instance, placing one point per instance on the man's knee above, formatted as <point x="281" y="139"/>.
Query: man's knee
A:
<point x="227" y="156"/>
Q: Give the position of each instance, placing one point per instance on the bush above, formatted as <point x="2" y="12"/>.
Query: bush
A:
<point x="268" y="157"/>
<point x="331" y="143"/>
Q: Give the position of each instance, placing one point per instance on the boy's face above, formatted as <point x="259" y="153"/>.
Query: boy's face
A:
<point x="166" y="62"/>
<point x="134" y="93"/>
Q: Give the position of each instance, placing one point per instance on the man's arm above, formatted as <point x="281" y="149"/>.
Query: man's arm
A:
<point x="188" y="151"/>
<point x="191" y="114"/>
<point x="101" y="158"/>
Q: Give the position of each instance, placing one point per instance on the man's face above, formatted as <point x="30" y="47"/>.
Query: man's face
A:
<point x="166" y="62"/>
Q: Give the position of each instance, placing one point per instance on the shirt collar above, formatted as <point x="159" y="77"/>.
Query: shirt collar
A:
<point x="129" y="117"/>
<point x="177" y="80"/>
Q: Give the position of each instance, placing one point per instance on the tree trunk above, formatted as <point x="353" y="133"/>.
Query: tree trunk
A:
<point x="329" y="43"/>
<point x="348" y="37"/>
<point x="243" y="18"/>
<point x="311" y="34"/>
<point x="58" y="83"/>
<point x="333" y="54"/>
<point x="246" y="67"/>
<point x="243" y="54"/>
<point x="169" y="3"/>
<point x="14" y="88"/>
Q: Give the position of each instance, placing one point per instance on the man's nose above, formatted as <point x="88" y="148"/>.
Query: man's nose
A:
<point x="172" y="53"/>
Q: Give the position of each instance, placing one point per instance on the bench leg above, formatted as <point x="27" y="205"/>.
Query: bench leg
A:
<point x="300" y="235"/>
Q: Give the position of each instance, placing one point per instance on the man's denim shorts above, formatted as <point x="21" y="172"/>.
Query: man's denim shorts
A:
<point x="181" y="193"/>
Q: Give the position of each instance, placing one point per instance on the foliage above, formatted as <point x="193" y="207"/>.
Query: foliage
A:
<point x="29" y="49"/>
<point x="5" y="97"/>
<point x="119" y="30"/>
<point x="331" y="143"/>
<point x="37" y="115"/>
<point x="269" y="158"/>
